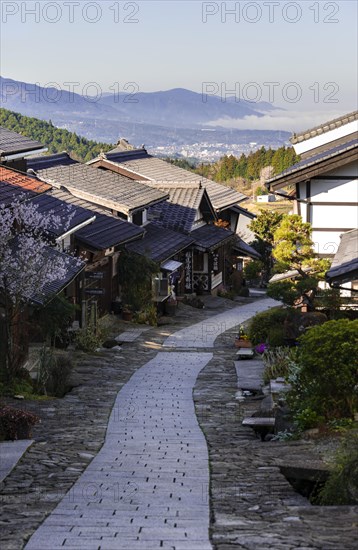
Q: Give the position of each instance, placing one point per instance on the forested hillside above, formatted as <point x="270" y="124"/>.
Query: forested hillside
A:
<point x="247" y="167"/>
<point x="228" y="169"/>
<point x="55" y="139"/>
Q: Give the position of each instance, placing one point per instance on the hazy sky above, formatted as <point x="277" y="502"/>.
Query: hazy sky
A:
<point x="301" y="56"/>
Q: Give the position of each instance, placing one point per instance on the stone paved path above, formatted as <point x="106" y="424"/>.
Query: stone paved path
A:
<point x="10" y="454"/>
<point x="131" y="334"/>
<point x="148" y="486"/>
<point x="204" y="334"/>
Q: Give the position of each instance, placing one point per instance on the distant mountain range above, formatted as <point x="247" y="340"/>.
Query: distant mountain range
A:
<point x="156" y="116"/>
<point x="178" y="107"/>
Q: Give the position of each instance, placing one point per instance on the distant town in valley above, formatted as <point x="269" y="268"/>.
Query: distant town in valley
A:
<point x="176" y="123"/>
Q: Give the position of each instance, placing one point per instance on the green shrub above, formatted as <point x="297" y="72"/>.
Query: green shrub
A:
<point x="278" y="362"/>
<point x="244" y="292"/>
<point x="252" y="270"/>
<point x="289" y="291"/>
<point x="148" y="316"/>
<point x="135" y="274"/>
<point x="330" y="299"/>
<point x="342" y="485"/>
<point x="18" y="386"/>
<point x="307" y="418"/>
<point x="325" y="381"/>
<point x="58" y="381"/>
<point x="276" y="337"/>
<point x="228" y="294"/>
<point x="53" y="320"/>
<point x="284" y="291"/>
<point x="264" y="322"/>
<point x="90" y="338"/>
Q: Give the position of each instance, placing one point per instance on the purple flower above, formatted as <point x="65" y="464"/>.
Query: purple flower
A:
<point x="260" y="348"/>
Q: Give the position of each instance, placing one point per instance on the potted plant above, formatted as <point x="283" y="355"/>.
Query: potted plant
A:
<point x="16" y="423"/>
<point x="127" y="313"/>
<point x="171" y="306"/>
<point x="242" y="340"/>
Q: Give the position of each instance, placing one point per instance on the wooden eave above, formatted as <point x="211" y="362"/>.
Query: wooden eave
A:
<point x="314" y="170"/>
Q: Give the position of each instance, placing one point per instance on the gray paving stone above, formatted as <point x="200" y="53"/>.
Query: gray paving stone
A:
<point x="156" y="465"/>
<point x="204" y="333"/>
<point x="10" y="454"/>
<point x="249" y="374"/>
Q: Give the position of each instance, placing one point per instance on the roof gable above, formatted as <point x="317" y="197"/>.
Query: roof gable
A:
<point x="106" y="230"/>
<point x="159" y="245"/>
<point x="185" y="204"/>
<point x="107" y="189"/>
<point x="210" y="237"/>
<point x="321" y="137"/>
<point x="320" y="163"/>
<point x="325" y="127"/>
<point x="48" y="161"/>
<point x="142" y="165"/>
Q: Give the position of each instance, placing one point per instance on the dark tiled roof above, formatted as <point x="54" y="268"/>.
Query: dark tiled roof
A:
<point x="211" y="236"/>
<point x="49" y="161"/>
<point x="122" y="156"/>
<point x="69" y="216"/>
<point x="179" y="211"/>
<point x="12" y="143"/>
<point x="74" y="267"/>
<point x="160" y="245"/>
<point x="66" y="196"/>
<point x="141" y="164"/>
<point x="106" y="231"/>
<point x="344" y="267"/>
<point x="244" y="212"/>
<point x="9" y="193"/>
<point x="326" y="127"/>
<point x="245" y="249"/>
<point x="325" y="155"/>
<point x="102" y="187"/>
<point x="22" y="181"/>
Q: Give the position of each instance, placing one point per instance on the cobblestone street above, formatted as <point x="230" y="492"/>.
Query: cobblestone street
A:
<point x="121" y="461"/>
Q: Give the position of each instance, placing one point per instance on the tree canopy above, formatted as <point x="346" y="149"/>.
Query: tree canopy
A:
<point x="55" y="139"/>
<point x="293" y="246"/>
<point x="26" y="266"/>
<point x="249" y="166"/>
<point x="265" y="225"/>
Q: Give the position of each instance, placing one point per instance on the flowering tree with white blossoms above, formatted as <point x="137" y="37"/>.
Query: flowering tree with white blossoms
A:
<point x="26" y="266"/>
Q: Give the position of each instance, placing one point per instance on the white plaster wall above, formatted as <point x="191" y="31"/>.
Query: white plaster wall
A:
<point x="334" y="191"/>
<point x="243" y="231"/>
<point x="326" y="137"/>
<point x="342" y="217"/>
<point x="326" y="242"/>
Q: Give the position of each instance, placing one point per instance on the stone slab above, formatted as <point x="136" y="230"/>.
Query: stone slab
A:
<point x="249" y="374"/>
<point x="10" y="454"/>
<point x="131" y="335"/>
